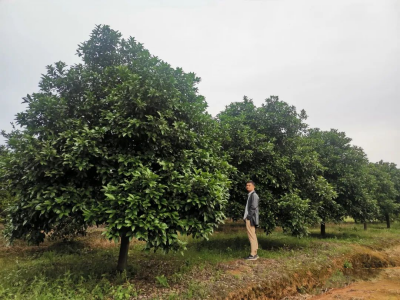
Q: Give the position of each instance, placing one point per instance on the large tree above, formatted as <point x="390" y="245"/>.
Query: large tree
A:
<point x="394" y="172"/>
<point x="266" y="145"/>
<point x="383" y="190"/>
<point x="121" y="139"/>
<point x="346" y="169"/>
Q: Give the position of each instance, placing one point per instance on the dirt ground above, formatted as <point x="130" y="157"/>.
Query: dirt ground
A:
<point x="386" y="286"/>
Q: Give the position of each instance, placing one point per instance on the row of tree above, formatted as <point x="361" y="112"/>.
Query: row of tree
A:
<point x="304" y="175"/>
<point x="123" y="139"/>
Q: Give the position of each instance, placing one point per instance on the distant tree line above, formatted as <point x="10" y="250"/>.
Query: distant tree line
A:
<point x="124" y="140"/>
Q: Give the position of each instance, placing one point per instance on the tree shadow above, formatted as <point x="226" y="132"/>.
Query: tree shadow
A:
<point x="231" y="226"/>
<point x="241" y="242"/>
<point x="66" y="247"/>
<point x="337" y="236"/>
<point x="59" y="248"/>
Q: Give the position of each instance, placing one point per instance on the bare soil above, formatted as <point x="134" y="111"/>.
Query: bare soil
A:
<point x="385" y="286"/>
<point x="375" y="273"/>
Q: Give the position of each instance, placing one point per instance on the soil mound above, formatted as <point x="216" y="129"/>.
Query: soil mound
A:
<point x="362" y="264"/>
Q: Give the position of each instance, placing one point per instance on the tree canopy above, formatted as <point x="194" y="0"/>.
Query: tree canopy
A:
<point x="121" y="139"/>
<point x="384" y="189"/>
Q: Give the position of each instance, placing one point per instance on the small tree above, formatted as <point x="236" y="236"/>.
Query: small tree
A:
<point x="122" y="139"/>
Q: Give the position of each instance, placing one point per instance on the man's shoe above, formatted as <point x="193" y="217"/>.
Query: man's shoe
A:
<point x="251" y="257"/>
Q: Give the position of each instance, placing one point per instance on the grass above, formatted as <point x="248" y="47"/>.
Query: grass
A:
<point x="85" y="268"/>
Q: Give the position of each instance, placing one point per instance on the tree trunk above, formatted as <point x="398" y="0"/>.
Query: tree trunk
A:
<point x="365" y="225"/>
<point x="387" y="220"/>
<point x="123" y="254"/>
<point x="323" y="228"/>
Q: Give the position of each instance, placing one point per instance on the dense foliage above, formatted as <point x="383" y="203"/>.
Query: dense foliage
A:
<point x="122" y="139"/>
<point x="5" y="196"/>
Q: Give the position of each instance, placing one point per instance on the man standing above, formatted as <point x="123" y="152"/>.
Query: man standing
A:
<point x="251" y="218"/>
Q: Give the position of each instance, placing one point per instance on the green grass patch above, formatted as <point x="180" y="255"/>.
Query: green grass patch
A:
<point x="85" y="268"/>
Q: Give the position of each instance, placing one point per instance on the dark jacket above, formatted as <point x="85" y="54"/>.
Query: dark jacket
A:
<point x="252" y="209"/>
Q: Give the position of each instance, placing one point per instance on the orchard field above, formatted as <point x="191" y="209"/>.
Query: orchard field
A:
<point x="120" y="147"/>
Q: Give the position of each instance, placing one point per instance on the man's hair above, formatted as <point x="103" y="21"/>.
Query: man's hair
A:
<point x="252" y="182"/>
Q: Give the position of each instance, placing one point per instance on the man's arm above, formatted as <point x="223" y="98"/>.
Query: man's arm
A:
<point x="253" y="206"/>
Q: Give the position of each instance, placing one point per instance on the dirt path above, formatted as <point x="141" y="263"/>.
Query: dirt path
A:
<point x="386" y="286"/>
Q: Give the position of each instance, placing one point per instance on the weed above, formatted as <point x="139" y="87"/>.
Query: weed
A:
<point x="123" y="292"/>
<point x="173" y="296"/>
<point x="347" y="265"/>
<point x="162" y="281"/>
<point x="336" y="280"/>
<point x="196" y="290"/>
<point x="177" y="277"/>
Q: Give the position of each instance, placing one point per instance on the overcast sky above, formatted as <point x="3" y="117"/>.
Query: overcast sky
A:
<point x="339" y="60"/>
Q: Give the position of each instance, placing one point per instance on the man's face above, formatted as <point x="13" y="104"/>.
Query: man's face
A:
<point x="249" y="187"/>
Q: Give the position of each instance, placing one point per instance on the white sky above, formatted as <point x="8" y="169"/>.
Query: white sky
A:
<point x="339" y="60"/>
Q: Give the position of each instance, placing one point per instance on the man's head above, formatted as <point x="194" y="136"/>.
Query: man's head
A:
<point x="250" y="185"/>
